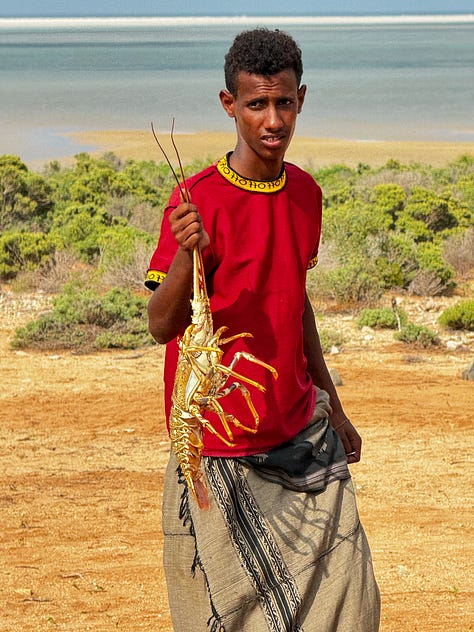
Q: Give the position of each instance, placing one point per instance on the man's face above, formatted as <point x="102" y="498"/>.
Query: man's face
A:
<point x="265" y="111"/>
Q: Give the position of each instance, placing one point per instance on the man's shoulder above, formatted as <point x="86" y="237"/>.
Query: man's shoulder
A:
<point x="204" y="176"/>
<point x="300" y="177"/>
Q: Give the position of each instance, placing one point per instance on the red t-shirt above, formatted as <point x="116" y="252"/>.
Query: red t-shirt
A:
<point x="263" y="238"/>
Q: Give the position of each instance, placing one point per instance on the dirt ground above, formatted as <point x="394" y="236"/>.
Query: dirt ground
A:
<point x="82" y="455"/>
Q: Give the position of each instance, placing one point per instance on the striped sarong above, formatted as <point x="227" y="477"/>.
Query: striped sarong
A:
<point x="266" y="558"/>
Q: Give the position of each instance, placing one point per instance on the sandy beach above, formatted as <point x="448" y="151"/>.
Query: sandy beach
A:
<point x="310" y="152"/>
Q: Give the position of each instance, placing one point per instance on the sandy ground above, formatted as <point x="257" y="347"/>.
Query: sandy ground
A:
<point x="312" y="152"/>
<point x="83" y="450"/>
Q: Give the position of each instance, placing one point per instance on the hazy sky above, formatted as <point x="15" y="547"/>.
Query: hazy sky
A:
<point x="33" y="8"/>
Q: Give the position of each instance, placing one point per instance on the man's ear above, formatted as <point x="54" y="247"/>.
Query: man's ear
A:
<point x="301" y="96"/>
<point x="227" y="101"/>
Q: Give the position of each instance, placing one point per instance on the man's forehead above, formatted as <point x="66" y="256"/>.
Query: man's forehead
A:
<point x="249" y="81"/>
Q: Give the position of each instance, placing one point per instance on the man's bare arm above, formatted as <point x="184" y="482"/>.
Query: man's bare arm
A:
<point x="321" y="378"/>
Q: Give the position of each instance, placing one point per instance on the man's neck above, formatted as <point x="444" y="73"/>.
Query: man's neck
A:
<point x="256" y="168"/>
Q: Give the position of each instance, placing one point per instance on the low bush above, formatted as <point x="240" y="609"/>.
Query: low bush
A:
<point x="417" y="335"/>
<point x="22" y="251"/>
<point x="459" y="316"/>
<point x="85" y="320"/>
<point x="381" y="318"/>
<point x="125" y="255"/>
<point x="350" y="284"/>
<point x="49" y="333"/>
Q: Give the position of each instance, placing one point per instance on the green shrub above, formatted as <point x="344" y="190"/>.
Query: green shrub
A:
<point x="459" y="316"/>
<point x="118" y="245"/>
<point x="430" y="258"/>
<point x="417" y="335"/>
<point x="22" y="251"/>
<point x="336" y="182"/>
<point x="349" y="224"/>
<point x="432" y="210"/>
<point x="49" y="333"/>
<point x="395" y="258"/>
<point x="390" y="273"/>
<point x="389" y="199"/>
<point x="25" y="196"/>
<point x="121" y="340"/>
<point x="86" y="306"/>
<point x="350" y="283"/>
<point x="380" y="318"/>
<point x="403" y="226"/>
<point x="83" y="319"/>
<point x="79" y="229"/>
<point x="433" y="276"/>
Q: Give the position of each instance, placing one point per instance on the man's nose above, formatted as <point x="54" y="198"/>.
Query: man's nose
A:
<point x="272" y="118"/>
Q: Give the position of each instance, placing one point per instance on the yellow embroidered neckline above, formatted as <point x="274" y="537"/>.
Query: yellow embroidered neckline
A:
<point x="259" y="186"/>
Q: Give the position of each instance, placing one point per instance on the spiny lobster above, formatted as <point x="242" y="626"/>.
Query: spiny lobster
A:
<point x="200" y="380"/>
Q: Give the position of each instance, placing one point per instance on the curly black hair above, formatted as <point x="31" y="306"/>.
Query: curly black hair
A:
<point x="261" y="52"/>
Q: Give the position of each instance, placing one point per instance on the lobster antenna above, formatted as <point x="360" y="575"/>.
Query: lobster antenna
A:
<point x="188" y="197"/>
<point x="184" y="193"/>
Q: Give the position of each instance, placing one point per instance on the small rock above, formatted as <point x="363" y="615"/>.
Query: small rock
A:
<point x="335" y="377"/>
<point x="429" y="306"/>
<point x="402" y="569"/>
<point x="468" y="374"/>
<point x="452" y="345"/>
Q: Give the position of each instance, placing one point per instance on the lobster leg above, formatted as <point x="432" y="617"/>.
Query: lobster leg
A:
<point x="221" y="368"/>
<point x="252" y="358"/>
<point x="210" y="402"/>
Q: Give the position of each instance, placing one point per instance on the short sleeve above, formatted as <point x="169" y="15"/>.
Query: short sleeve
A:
<point x="166" y="249"/>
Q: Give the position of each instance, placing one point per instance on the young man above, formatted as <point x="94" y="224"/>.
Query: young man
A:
<point x="282" y="547"/>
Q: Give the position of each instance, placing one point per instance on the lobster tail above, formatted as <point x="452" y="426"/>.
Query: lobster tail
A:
<point x="201" y="494"/>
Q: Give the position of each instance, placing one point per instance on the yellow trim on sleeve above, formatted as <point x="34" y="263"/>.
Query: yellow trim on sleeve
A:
<point x="155" y="276"/>
<point x="313" y="262"/>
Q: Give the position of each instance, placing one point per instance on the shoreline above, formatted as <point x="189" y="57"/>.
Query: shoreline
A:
<point x="305" y="151"/>
<point x="231" y="20"/>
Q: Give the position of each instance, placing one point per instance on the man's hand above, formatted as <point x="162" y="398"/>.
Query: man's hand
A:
<point x="350" y="438"/>
<point x="169" y="306"/>
<point x="186" y="226"/>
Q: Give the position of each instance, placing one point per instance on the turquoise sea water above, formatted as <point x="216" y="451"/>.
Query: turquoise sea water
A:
<point x="393" y="81"/>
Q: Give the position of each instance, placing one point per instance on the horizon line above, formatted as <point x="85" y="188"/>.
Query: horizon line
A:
<point x="445" y="18"/>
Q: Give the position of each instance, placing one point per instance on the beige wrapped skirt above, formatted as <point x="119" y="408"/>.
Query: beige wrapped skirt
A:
<point x="266" y="558"/>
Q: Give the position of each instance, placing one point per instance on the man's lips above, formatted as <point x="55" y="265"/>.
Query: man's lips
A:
<point x="273" y="140"/>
